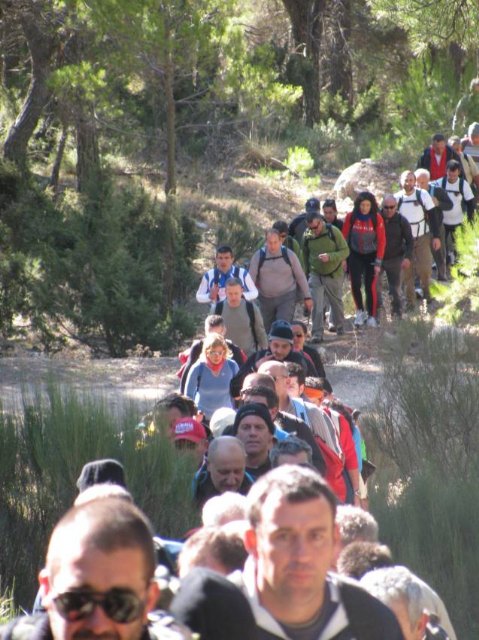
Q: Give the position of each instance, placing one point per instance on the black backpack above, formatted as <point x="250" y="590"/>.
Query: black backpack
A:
<point x="252" y="320"/>
<point x="284" y="255"/>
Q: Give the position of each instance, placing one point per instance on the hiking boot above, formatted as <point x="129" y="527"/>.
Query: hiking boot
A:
<point x="372" y="322"/>
<point x="340" y="331"/>
<point x="316" y="340"/>
<point x="360" y="318"/>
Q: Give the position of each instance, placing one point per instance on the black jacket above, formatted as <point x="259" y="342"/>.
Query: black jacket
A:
<point x="399" y="240"/>
<point x="424" y="161"/>
<point x="250" y="367"/>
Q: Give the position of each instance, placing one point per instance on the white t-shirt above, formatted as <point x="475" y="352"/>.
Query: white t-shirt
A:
<point x="455" y="215"/>
<point x="412" y="210"/>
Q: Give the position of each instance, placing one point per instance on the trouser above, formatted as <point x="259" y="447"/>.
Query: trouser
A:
<point x="332" y="288"/>
<point x="440" y="255"/>
<point x="362" y="266"/>
<point x="421" y="265"/>
<point x="278" y="308"/>
<point x="450" y="242"/>
<point x="392" y="268"/>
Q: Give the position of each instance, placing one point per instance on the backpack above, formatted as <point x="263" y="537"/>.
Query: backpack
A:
<point x="284" y="255"/>
<point x="252" y="320"/>
<point x="461" y="191"/>
<point x="420" y="202"/>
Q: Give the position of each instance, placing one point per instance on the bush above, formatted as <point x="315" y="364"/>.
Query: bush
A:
<point x="432" y="529"/>
<point x="43" y="451"/>
<point x="429" y="400"/>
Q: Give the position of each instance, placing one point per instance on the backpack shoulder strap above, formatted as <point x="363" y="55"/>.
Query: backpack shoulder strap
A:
<point x="461" y="186"/>
<point x="284" y="253"/>
<point x="252" y="321"/>
<point x="219" y="308"/>
<point x="236" y="271"/>
<point x="216" y="275"/>
<point x="262" y="258"/>
<point x="198" y="379"/>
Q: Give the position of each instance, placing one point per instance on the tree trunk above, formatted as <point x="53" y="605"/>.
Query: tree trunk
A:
<point x="341" y="75"/>
<point x="307" y="27"/>
<point x="58" y="160"/>
<point x="88" y="153"/>
<point x="170" y="184"/>
<point x="41" y="44"/>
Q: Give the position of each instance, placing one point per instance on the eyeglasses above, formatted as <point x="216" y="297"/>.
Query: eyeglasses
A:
<point x="389" y="206"/>
<point x="216" y="353"/>
<point x="121" y="605"/>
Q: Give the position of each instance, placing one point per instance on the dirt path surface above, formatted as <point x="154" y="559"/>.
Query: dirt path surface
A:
<point x="354" y="374"/>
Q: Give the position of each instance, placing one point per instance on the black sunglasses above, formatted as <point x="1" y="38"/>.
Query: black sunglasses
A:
<point x="121" y="605"/>
<point x="387" y="206"/>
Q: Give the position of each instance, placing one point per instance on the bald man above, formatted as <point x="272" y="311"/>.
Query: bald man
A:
<point x="223" y="471"/>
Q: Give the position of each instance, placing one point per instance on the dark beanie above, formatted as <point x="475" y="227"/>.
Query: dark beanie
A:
<point x="213" y="607"/>
<point x="253" y="409"/>
<point x="281" y="330"/>
<point x="101" y="472"/>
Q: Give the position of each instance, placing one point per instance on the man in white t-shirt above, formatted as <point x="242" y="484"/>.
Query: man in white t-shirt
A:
<point x="461" y="196"/>
<point x="417" y="206"/>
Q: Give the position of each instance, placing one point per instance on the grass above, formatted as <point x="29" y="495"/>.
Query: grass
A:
<point x="44" y="447"/>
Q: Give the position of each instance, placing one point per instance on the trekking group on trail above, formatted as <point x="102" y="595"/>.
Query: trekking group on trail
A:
<point x="285" y="547"/>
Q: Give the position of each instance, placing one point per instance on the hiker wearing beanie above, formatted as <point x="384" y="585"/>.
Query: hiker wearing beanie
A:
<point x="280" y="347"/>
<point x="254" y="427"/>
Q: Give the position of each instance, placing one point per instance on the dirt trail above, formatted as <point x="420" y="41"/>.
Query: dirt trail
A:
<point x="355" y="376"/>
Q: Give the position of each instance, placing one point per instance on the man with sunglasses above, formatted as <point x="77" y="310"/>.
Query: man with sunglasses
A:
<point x="98" y="581"/>
<point x="399" y="250"/>
<point x="324" y="250"/>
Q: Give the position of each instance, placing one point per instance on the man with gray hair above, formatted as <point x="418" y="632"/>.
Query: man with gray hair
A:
<point x="402" y="592"/>
<point x="293" y="450"/>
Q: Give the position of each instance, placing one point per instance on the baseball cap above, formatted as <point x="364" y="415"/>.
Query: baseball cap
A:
<point x="312" y="204"/>
<point x="281" y="330"/>
<point x="188" y="429"/>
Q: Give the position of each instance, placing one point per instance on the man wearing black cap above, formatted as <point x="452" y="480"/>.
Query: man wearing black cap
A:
<point x="324" y="250"/>
<point x="297" y="226"/>
<point x="255" y="428"/>
<point x="280" y="347"/>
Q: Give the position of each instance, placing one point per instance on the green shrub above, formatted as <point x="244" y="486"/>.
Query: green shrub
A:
<point x="432" y="529"/>
<point x="299" y="161"/>
<point x="43" y="450"/>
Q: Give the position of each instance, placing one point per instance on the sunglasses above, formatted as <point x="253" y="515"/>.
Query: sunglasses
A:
<point x="387" y="206"/>
<point x="298" y="335"/>
<point x="120" y="605"/>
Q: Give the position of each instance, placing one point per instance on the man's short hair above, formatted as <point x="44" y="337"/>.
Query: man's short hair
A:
<point x="175" y="400"/>
<point x="281" y="226"/>
<point x="356" y="524"/>
<point x="453" y="165"/>
<point x="438" y="137"/>
<point x="108" y="525"/>
<point x="454" y="140"/>
<point x="226" y="507"/>
<point x="422" y="172"/>
<point x="295" y="370"/>
<point x="404" y="175"/>
<point x="357" y="558"/>
<point x="213" y="321"/>
<point x="294" y="483"/>
<point x="396" y="584"/>
<point x="272" y="232"/>
<point x="224" y="248"/>
<point x="270" y="395"/>
<point x="260" y="380"/>
<point x="321" y="384"/>
<point x="233" y="282"/>
<point x="224" y="547"/>
<point x="291" y="446"/>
